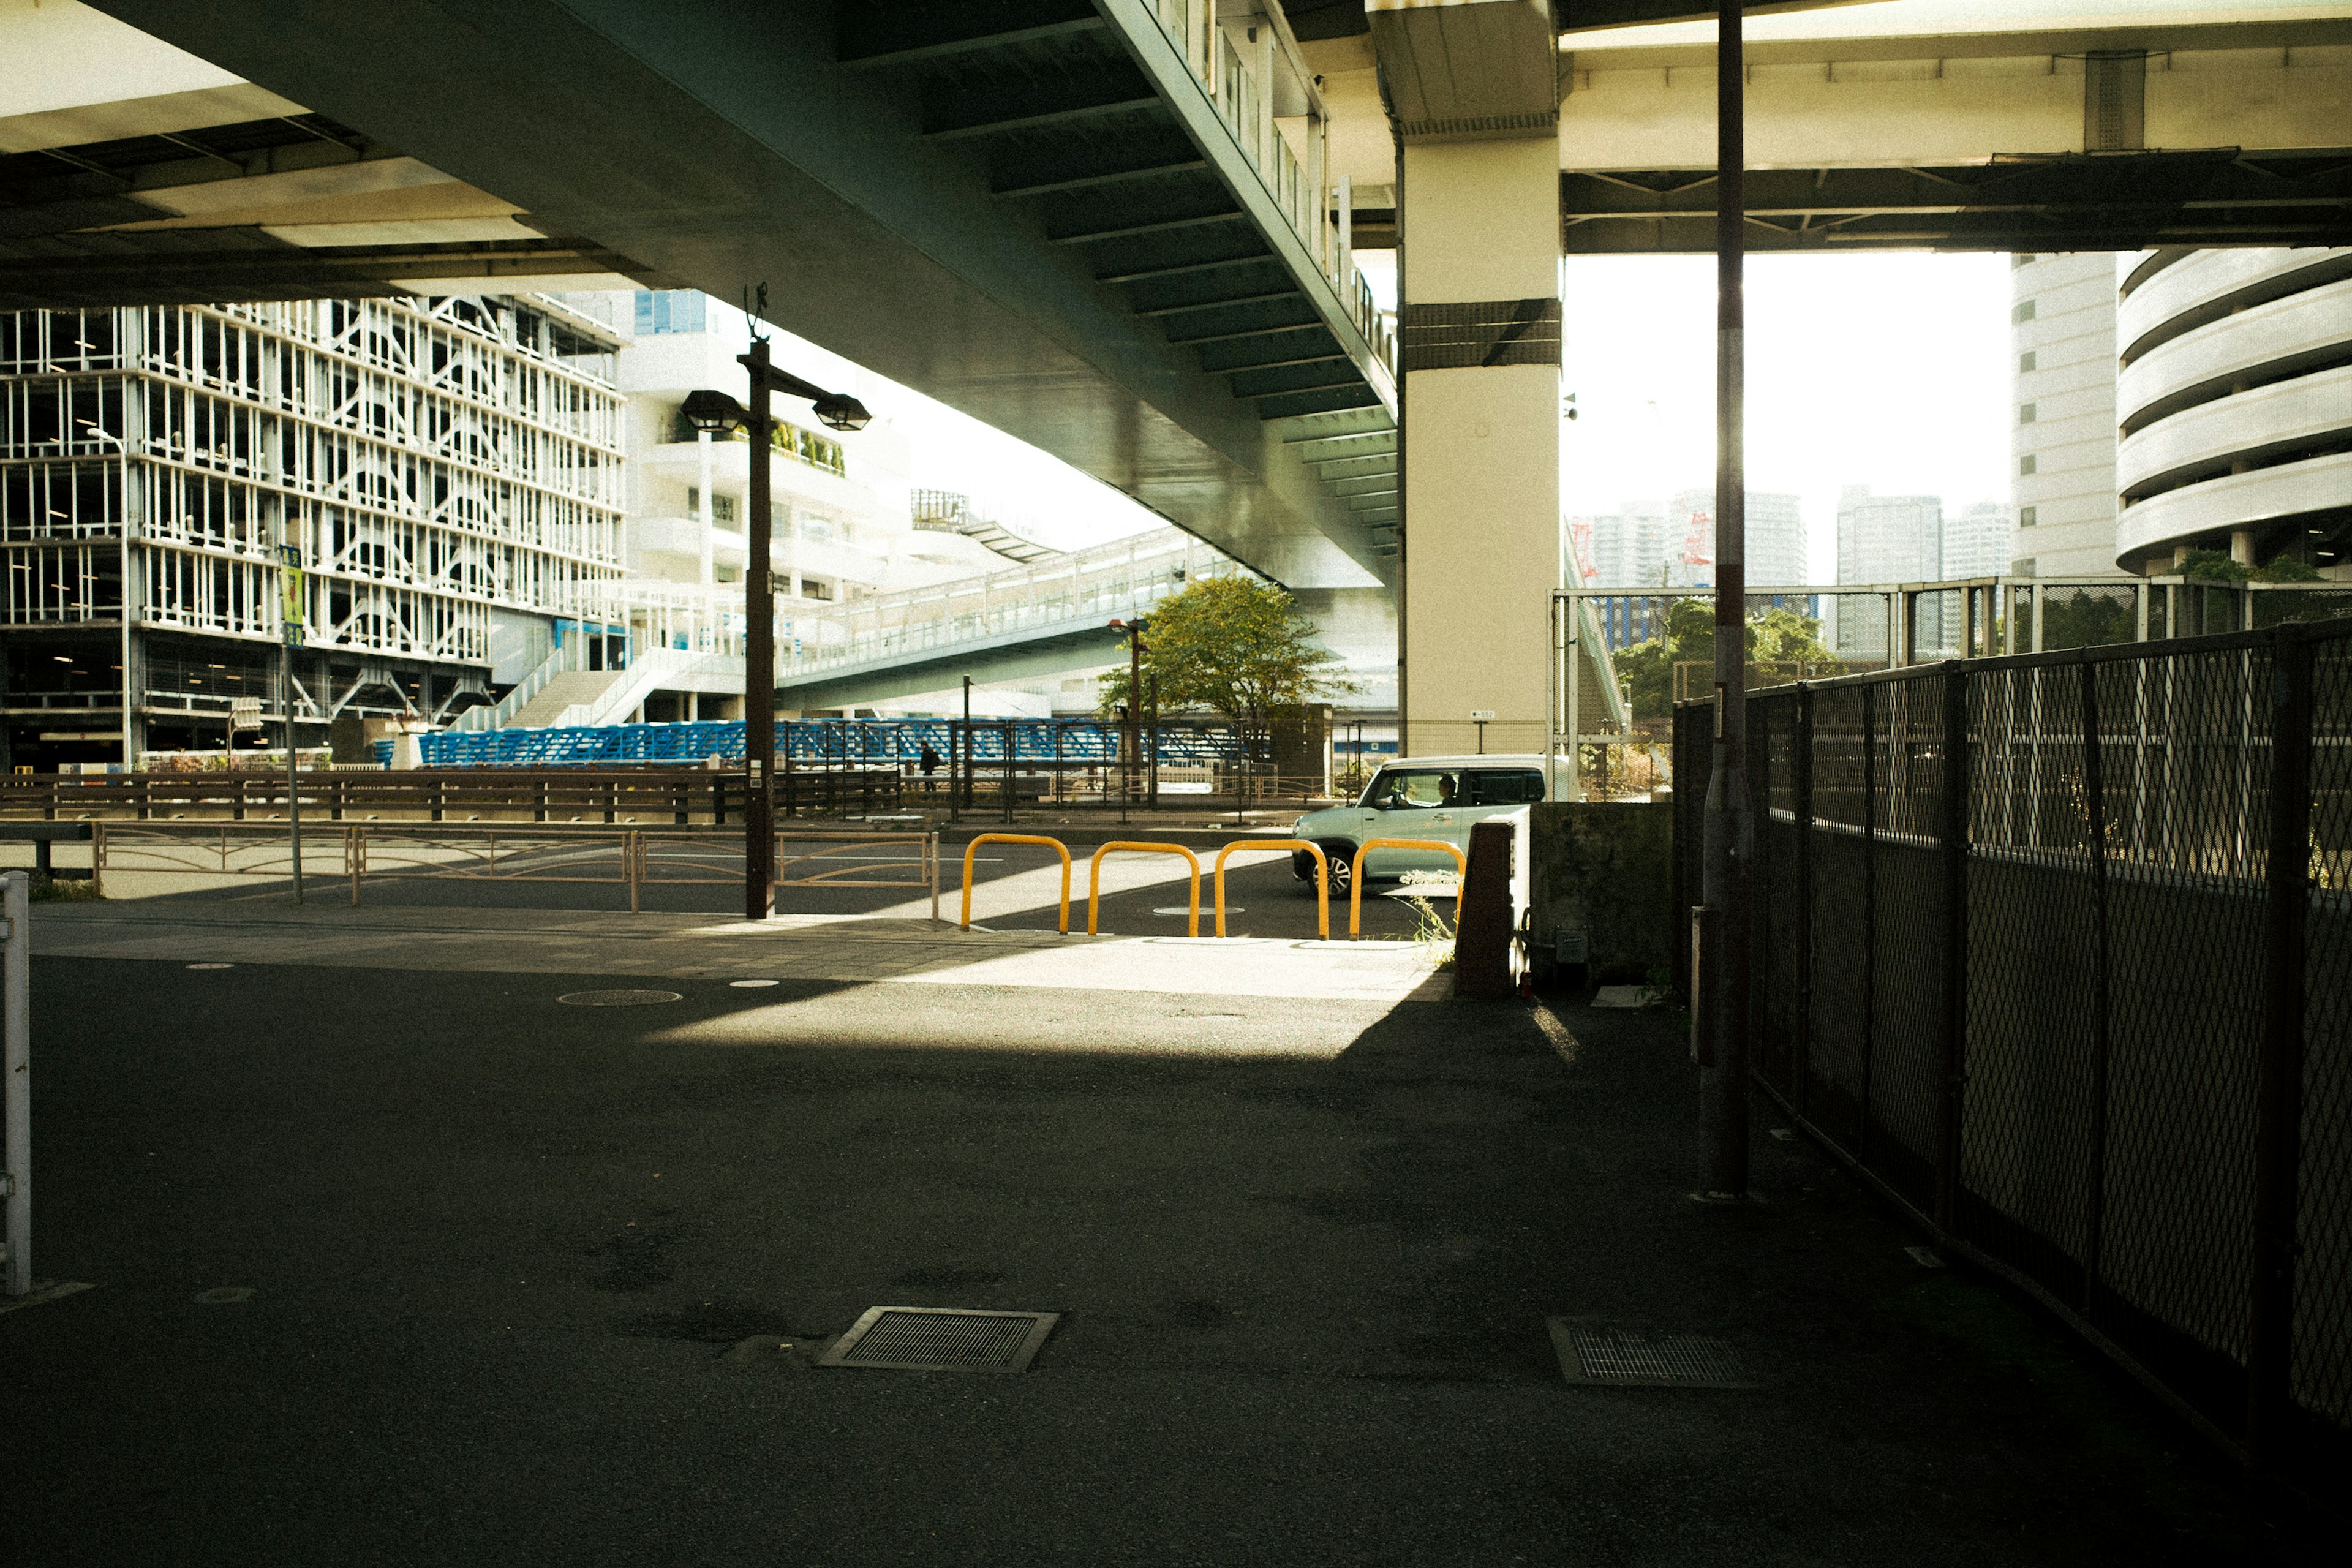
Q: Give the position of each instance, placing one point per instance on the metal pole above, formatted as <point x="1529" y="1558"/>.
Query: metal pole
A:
<point x="1723" y="1071"/>
<point x="293" y="772"/>
<point x="759" y="663"/>
<point x="1134" y="715"/>
<point x="1154" y="761"/>
<point x="1954" y="855"/>
<point x="709" y="573"/>
<point x="16" y="1064"/>
<point x="2278" y="1090"/>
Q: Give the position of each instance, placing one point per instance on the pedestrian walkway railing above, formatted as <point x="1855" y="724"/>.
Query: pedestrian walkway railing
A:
<point x="2056" y="950"/>
<point x="625" y="857"/>
<point x="1094" y="878"/>
<point x="1322" y="878"/>
<point x="1053" y="844"/>
<point x="1356" y="871"/>
<point x="631" y="796"/>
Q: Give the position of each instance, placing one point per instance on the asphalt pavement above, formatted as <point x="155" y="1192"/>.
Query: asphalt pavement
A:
<point x="409" y="1265"/>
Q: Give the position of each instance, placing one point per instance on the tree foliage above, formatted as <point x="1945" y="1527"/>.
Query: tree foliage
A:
<point x="1235" y="646"/>
<point x="1776" y="637"/>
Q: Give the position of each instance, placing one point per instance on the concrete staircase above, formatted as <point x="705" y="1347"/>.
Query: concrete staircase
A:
<point x="562" y="692"/>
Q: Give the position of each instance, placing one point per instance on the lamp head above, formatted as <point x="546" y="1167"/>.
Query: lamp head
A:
<point x="713" y="413"/>
<point x="838" y="411"/>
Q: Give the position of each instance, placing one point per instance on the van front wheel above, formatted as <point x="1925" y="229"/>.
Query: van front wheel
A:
<point x="1340" y="859"/>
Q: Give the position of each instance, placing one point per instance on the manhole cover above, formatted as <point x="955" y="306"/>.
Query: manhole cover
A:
<point x="751" y="984"/>
<point x="616" y="998"/>
<point x="1593" y="1352"/>
<point x="941" y="1339"/>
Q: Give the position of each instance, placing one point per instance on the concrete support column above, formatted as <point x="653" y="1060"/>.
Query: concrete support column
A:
<point x="1479" y="294"/>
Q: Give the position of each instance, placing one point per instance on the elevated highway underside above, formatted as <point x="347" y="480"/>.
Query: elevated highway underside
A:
<point x="2049" y="127"/>
<point x="2119" y="137"/>
<point x="1029" y="209"/>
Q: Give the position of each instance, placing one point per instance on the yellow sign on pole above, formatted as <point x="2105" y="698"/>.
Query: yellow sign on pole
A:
<point x="289" y="594"/>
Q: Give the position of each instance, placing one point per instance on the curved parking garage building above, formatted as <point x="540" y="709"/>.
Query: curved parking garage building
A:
<point x="2234" y="403"/>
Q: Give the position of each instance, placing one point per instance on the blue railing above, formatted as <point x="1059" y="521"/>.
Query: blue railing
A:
<point x="817" y="742"/>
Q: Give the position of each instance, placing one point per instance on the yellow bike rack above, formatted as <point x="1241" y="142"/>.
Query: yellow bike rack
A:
<point x="1356" y="871"/>
<point x="1094" y="878"/>
<point x="1056" y="845"/>
<point x="1322" y="878"/>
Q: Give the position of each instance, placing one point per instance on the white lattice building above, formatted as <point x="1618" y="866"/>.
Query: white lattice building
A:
<point x="449" y="470"/>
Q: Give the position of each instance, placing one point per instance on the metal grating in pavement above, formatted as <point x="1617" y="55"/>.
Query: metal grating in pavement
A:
<point x="941" y="1339"/>
<point x="616" y="998"/>
<point x="1593" y="1352"/>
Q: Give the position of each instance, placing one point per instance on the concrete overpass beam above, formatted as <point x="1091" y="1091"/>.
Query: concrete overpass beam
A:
<point x="1478" y="209"/>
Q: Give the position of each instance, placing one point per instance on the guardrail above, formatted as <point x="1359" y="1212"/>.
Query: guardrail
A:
<point x="632" y="858"/>
<point x="617" y="795"/>
<point x="1094" y="878"/>
<point x="1356" y="871"/>
<point x="1053" y="844"/>
<point x="1322" y="879"/>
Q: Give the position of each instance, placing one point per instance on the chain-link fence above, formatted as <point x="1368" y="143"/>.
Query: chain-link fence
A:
<point x="2057" y="950"/>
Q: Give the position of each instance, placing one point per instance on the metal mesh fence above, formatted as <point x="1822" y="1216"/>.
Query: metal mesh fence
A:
<point x="2058" y="950"/>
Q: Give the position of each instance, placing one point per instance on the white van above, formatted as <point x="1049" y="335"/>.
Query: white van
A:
<point x="1416" y="797"/>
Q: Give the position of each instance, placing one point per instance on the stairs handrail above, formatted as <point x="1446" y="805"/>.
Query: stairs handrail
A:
<point x="498" y="715"/>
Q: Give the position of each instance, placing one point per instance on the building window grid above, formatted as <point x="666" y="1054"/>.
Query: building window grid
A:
<point x="64" y="584"/>
<point x="192" y="515"/>
<point x="64" y="499"/>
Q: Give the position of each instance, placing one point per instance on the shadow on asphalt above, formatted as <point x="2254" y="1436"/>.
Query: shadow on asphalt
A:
<point x="517" y="1267"/>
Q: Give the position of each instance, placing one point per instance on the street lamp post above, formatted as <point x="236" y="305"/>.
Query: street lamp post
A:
<point x="1130" y="764"/>
<point x="716" y="413"/>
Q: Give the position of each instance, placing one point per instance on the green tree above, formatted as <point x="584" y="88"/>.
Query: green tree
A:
<point x="2214" y="566"/>
<point x="1776" y="637"/>
<point x="1235" y="646"/>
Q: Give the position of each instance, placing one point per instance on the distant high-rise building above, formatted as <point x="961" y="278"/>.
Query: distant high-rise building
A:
<point x="1977" y="543"/>
<point x="1631" y="548"/>
<point x="1645" y="545"/>
<point x="2062" y="415"/>
<point x="1887" y="539"/>
<point x="1776" y="533"/>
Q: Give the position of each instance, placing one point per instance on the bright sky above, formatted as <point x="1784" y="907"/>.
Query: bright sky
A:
<point x="1887" y="369"/>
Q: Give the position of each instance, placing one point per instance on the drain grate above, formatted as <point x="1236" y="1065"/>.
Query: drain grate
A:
<point x="616" y="998"/>
<point x="941" y="1339"/>
<point x="1596" y="1354"/>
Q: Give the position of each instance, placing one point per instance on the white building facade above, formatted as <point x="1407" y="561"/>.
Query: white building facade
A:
<point x="2235" y="405"/>
<point x="445" y="472"/>
<point x="2063" y="414"/>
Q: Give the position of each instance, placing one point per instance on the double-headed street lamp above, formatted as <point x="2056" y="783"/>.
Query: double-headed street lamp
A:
<point x="716" y="413"/>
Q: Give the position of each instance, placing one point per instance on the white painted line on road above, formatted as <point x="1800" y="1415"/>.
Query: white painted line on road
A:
<point x="753" y="985"/>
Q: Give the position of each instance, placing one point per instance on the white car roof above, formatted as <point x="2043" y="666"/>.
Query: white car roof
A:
<point x="1490" y="759"/>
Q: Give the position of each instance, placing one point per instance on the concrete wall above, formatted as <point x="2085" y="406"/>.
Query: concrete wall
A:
<point x="1606" y="870"/>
